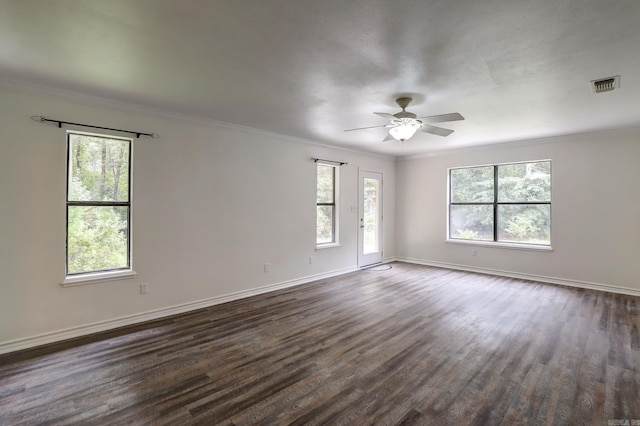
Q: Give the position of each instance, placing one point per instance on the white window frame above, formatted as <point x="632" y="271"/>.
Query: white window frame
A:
<point x="495" y="243"/>
<point x="335" y="205"/>
<point x="74" y="279"/>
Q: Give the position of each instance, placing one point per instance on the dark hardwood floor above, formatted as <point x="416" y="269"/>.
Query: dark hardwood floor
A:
<point x="409" y="345"/>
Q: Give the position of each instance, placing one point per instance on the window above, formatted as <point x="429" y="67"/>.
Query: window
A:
<point x="326" y="217"/>
<point x="506" y="203"/>
<point x="98" y="203"/>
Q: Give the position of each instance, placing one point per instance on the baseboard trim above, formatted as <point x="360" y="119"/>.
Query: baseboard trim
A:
<point x="73" y="332"/>
<point x="510" y="274"/>
<point x="83" y="330"/>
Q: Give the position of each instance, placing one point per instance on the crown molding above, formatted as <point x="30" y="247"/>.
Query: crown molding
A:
<point x="34" y="89"/>
<point x="569" y="137"/>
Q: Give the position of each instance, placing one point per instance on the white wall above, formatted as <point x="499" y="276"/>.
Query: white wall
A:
<point x="211" y="205"/>
<point x="595" y="211"/>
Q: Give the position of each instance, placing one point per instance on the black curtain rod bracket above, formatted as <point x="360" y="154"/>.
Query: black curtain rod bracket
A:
<point x="339" y="163"/>
<point x="43" y="119"/>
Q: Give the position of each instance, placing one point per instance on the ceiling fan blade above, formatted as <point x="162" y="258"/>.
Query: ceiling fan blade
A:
<point x="454" y="116"/>
<point x="385" y="115"/>
<point x="370" y="127"/>
<point x="436" y="130"/>
<point x="388" y="138"/>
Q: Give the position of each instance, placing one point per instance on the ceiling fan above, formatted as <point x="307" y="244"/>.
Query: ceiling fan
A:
<point x="404" y="124"/>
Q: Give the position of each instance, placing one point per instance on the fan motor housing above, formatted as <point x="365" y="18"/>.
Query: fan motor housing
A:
<point x="405" y="114"/>
<point x="404" y="103"/>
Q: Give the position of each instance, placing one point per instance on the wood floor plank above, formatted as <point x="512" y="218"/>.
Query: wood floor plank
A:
<point x="412" y="345"/>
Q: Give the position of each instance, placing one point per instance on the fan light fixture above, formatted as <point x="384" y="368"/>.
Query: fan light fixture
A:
<point x="404" y="129"/>
<point x="404" y="124"/>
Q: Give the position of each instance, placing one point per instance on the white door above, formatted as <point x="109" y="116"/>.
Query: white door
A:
<point x="370" y="220"/>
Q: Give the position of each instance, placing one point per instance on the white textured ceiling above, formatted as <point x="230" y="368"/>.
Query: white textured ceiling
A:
<point x="516" y="69"/>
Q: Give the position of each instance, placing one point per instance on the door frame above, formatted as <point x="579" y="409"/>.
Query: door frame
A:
<point x="360" y="245"/>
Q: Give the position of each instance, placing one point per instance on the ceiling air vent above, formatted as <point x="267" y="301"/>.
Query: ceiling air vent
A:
<point x="605" y="84"/>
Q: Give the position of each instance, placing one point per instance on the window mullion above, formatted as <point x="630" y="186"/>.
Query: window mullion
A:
<point x="458" y="203"/>
<point x="523" y="203"/>
<point x="99" y="203"/>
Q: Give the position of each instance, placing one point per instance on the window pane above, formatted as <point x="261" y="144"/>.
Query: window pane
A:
<point x="472" y="185"/>
<point x="98" y="169"/>
<point x="524" y="182"/>
<point x="325" y="183"/>
<point x="529" y="224"/>
<point x="97" y="238"/>
<point x="324" y="224"/>
<point x="471" y="222"/>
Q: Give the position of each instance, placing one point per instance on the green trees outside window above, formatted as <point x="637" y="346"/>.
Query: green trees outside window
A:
<point x="504" y="203"/>
<point x="98" y="203"/>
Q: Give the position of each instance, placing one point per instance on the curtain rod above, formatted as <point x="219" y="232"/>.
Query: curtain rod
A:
<point x="340" y="163"/>
<point x="43" y="119"/>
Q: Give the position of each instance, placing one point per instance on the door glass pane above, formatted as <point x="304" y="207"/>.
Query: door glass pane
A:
<point x="371" y="217"/>
<point x="471" y="222"/>
<point x="525" y="223"/>
<point x="97" y="238"/>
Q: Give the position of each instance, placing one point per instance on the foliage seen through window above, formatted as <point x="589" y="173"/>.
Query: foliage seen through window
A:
<point x="98" y="203"/>
<point x="504" y="203"/>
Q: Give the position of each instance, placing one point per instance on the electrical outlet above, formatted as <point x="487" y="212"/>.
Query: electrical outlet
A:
<point x="267" y="267"/>
<point x="310" y="259"/>
<point x="144" y="288"/>
<point x="474" y="252"/>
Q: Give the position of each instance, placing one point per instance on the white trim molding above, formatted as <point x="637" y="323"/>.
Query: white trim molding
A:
<point x="73" y="332"/>
<point x="510" y="246"/>
<point x="513" y="143"/>
<point x="532" y="277"/>
<point x="98" y="277"/>
<point x="33" y="89"/>
<point x="83" y="330"/>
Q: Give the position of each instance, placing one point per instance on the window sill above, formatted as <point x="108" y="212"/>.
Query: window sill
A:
<point x="98" y="277"/>
<point x="511" y="246"/>
<point x="326" y="246"/>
